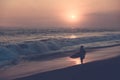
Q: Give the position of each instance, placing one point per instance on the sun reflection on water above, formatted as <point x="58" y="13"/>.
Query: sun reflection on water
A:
<point x="72" y="36"/>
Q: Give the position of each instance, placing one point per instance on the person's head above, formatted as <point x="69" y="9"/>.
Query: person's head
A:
<point x="82" y="46"/>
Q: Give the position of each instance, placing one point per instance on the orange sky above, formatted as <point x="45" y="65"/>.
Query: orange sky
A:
<point x="51" y="13"/>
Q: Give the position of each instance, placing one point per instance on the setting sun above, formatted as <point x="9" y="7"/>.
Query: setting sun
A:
<point x="73" y="17"/>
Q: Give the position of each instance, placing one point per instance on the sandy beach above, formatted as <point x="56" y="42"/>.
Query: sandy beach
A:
<point x="50" y="69"/>
<point x="98" y="70"/>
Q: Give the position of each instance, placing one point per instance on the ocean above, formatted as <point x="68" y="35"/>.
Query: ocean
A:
<point x="18" y="44"/>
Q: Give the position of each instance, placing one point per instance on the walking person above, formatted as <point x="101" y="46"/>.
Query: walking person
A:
<point x="82" y="54"/>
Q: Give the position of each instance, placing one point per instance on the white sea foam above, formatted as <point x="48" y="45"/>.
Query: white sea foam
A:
<point x="13" y="47"/>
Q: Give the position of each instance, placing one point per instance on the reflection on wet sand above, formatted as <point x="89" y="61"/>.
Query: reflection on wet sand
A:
<point x="75" y="61"/>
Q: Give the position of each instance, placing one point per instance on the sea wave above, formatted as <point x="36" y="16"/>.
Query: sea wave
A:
<point x="10" y="52"/>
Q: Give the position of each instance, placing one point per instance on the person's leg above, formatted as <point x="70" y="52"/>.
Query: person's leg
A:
<point x="81" y="60"/>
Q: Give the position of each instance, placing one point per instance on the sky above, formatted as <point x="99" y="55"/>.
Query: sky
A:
<point x="60" y="13"/>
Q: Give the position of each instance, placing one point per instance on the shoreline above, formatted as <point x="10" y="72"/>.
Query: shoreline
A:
<point x="56" y="55"/>
<point x="97" y="70"/>
<point x="46" y="57"/>
<point x="58" y="64"/>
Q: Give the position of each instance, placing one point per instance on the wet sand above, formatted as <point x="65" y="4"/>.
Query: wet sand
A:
<point x="99" y="70"/>
<point x="39" y="67"/>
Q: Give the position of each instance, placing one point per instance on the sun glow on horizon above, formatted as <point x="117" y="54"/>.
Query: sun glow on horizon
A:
<point x="59" y="13"/>
<point x="73" y="18"/>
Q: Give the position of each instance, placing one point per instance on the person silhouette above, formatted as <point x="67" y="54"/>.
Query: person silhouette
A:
<point x="82" y="53"/>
